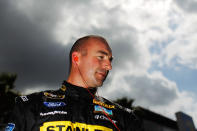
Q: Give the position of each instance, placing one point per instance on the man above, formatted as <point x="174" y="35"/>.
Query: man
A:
<point x="75" y="107"/>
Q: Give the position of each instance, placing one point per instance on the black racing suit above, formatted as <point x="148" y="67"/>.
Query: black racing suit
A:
<point x="71" y="108"/>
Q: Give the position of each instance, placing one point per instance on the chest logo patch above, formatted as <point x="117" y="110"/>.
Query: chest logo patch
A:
<point x="102" y="104"/>
<point x="53" y="96"/>
<point x="100" y="109"/>
<point x="69" y="126"/>
<point x="54" y="104"/>
<point x="10" y="127"/>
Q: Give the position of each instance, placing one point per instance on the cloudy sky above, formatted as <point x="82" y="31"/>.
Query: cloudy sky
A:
<point x="153" y="42"/>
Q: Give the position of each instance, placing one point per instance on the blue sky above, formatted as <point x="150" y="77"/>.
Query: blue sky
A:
<point x="184" y="77"/>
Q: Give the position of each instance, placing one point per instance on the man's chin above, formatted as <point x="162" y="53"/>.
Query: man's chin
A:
<point x="100" y="83"/>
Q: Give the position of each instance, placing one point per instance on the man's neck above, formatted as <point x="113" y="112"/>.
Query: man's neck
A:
<point x="76" y="81"/>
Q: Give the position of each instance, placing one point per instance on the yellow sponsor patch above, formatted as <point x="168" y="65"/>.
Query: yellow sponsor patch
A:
<point x="69" y="126"/>
<point x="102" y="104"/>
<point x="53" y="96"/>
<point x="63" y="88"/>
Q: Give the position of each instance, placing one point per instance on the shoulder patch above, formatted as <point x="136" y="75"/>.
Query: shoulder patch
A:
<point x="10" y="127"/>
<point x="53" y="96"/>
<point x="100" y="109"/>
<point x="24" y="98"/>
<point x="116" y="105"/>
<point x="102" y="104"/>
<point x="28" y="98"/>
<point x="21" y="99"/>
<point x="123" y="108"/>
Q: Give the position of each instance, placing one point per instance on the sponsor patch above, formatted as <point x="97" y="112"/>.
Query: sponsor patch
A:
<point x="69" y="126"/>
<point x="101" y="109"/>
<point x="54" y="104"/>
<point x="53" y="96"/>
<point x="10" y="127"/>
<point x="24" y="98"/>
<point x="53" y="113"/>
<point x="102" y="104"/>
<point x="103" y="117"/>
<point x="63" y="88"/>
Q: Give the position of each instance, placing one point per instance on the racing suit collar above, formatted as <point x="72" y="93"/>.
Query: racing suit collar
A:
<point x="78" y="91"/>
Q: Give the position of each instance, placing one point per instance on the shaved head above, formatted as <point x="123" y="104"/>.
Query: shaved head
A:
<point x="81" y="44"/>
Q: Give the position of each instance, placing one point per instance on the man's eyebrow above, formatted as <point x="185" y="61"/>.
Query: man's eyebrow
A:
<point x="103" y="52"/>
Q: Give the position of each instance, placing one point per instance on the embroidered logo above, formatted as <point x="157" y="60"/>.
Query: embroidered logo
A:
<point x="53" y="113"/>
<point x="53" y="96"/>
<point x="102" y="104"/>
<point x="101" y="109"/>
<point x="54" y="104"/>
<point x="70" y="126"/>
<point x="10" y="127"/>
<point x="24" y="98"/>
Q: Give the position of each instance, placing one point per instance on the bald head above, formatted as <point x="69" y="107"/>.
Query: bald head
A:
<point x="90" y="61"/>
<point x="81" y="45"/>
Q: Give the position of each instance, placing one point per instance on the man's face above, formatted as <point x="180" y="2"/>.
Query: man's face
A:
<point x="94" y="66"/>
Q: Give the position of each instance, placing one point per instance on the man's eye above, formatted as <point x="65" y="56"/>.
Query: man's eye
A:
<point x="100" y="57"/>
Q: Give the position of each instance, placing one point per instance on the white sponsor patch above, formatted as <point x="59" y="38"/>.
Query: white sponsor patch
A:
<point x="53" y="113"/>
<point x="102" y="117"/>
<point x="24" y="98"/>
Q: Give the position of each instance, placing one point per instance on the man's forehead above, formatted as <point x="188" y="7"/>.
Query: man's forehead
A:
<point x="99" y="45"/>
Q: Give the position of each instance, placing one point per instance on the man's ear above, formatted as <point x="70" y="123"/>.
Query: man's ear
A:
<point x="75" y="57"/>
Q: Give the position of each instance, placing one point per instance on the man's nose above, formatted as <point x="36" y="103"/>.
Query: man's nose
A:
<point x="108" y="65"/>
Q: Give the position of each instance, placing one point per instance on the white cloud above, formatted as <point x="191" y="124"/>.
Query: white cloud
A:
<point x="148" y="89"/>
<point x="29" y="90"/>
<point x="182" y="49"/>
<point x="187" y="5"/>
<point x="152" y="91"/>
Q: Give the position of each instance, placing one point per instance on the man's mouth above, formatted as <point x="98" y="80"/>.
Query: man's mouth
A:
<point x="102" y="73"/>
